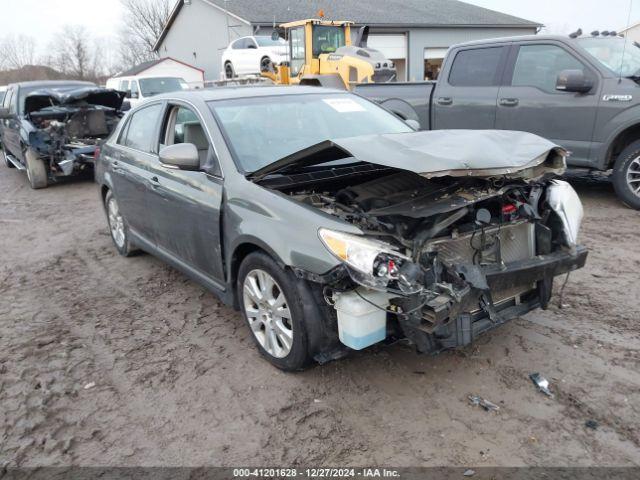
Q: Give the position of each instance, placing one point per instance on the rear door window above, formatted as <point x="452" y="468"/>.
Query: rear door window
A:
<point x="142" y="129"/>
<point x="479" y="67"/>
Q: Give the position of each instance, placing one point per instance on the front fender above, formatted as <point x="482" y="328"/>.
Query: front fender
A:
<point x="604" y="139"/>
<point x="285" y="228"/>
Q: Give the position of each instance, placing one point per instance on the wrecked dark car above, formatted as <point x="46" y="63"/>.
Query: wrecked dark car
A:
<point x="51" y="129"/>
<point x="332" y="225"/>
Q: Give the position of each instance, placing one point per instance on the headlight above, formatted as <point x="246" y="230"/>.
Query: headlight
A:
<point x="564" y="200"/>
<point x="376" y="263"/>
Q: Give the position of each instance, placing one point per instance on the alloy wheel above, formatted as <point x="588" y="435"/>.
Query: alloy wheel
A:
<point x="633" y="176"/>
<point x="116" y="223"/>
<point x="268" y="313"/>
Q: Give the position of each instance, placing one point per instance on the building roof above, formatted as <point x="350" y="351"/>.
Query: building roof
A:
<point x="141" y="67"/>
<point x="405" y="13"/>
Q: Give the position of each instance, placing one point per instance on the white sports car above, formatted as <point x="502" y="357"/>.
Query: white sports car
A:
<point x="250" y="55"/>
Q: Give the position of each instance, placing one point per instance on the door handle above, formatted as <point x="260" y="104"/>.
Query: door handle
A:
<point x="509" y="102"/>
<point x="445" y="101"/>
<point x="154" y="179"/>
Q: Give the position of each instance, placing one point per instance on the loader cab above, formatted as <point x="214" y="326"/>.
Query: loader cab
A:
<point x="308" y="39"/>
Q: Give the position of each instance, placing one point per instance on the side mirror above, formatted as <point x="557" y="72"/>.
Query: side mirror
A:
<point x="413" y="123"/>
<point x="573" y="81"/>
<point x="181" y="155"/>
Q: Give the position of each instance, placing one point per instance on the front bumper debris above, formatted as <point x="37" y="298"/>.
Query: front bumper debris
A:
<point x="458" y="326"/>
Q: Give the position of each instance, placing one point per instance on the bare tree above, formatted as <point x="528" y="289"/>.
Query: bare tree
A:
<point x="17" y="51"/>
<point x="144" y="21"/>
<point x="74" y="53"/>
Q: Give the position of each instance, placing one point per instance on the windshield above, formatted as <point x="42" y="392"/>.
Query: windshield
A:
<point x="265" y="129"/>
<point x="613" y="54"/>
<point x="268" y="42"/>
<point x="327" y="39"/>
<point x="154" y="86"/>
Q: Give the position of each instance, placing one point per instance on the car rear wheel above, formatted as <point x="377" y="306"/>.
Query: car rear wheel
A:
<point x="117" y="226"/>
<point x="272" y="306"/>
<point x="266" y="65"/>
<point x="228" y="71"/>
<point x="626" y="175"/>
<point x="36" y="170"/>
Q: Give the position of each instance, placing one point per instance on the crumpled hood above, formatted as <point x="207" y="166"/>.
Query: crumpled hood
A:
<point x="48" y="97"/>
<point x="439" y="153"/>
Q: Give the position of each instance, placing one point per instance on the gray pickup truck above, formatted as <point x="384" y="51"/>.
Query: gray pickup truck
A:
<point x="582" y="93"/>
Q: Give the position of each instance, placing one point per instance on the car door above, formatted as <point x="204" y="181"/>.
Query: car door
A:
<point x="185" y="205"/>
<point x="466" y="96"/>
<point x="530" y="102"/>
<point x="252" y="56"/>
<point x="11" y="125"/>
<point x="129" y="166"/>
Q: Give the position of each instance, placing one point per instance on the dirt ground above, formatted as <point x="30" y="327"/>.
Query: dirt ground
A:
<point x="177" y="380"/>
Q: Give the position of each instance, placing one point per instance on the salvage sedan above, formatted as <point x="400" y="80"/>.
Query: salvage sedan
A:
<point x="332" y="225"/>
<point x="51" y="129"/>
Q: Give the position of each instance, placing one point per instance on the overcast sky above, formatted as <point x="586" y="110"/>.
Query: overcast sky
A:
<point x="42" y="18"/>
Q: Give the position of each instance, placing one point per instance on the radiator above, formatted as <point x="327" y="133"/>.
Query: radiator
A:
<point x="517" y="242"/>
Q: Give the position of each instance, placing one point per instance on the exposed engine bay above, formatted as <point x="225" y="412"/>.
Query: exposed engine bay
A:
<point x="444" y="258"/>
<point x="69" y="125"/>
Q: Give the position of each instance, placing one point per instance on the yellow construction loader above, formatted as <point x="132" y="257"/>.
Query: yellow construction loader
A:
<point x="321" y="53"/>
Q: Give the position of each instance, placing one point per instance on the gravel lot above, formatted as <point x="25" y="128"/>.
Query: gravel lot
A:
<point x="113" y="361"/>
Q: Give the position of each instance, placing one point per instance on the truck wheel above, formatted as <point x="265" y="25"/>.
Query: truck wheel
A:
<point x="118" y="226"/>
<point x="36" y="170"/>
<point x="272" y="306"/>
<point x="626" y="175"/>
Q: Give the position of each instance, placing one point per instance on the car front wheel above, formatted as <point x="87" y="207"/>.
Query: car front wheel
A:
<point x="626" y="175"/>
<point x="228" y="71"/>
<point x="117" y="226"/>
<point x="36" y="170"/>
<point x="272" y="306"/>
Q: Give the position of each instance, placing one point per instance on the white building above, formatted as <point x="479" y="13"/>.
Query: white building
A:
<point x="162" y="67"/>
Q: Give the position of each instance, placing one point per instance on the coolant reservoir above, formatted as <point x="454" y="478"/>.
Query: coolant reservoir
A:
<point x="361" y="323"/>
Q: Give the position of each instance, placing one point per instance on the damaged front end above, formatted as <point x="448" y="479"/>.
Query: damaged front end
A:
<point x="68" y="126"/>
<point x="443" y="255"/>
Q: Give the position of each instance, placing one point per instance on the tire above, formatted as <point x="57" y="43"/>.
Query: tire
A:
<point x="229" y="73"/>
<point x="267" y="324"/>
<point x="266" y="65"/>
<point x="6" y="160"/>
<point x="626" y="175"/>
<point x="118" y="226"/>
<point x="36" y="170"/>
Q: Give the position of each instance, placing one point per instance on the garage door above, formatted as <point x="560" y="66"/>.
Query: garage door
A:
<point x="435" y="53"/>
<point x="392" y="46"/>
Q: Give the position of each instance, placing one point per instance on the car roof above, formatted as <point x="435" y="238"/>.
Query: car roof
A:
<point x="51" y="83"/>
<point x="249" y="91"/>
<point x="520" y="38"/>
